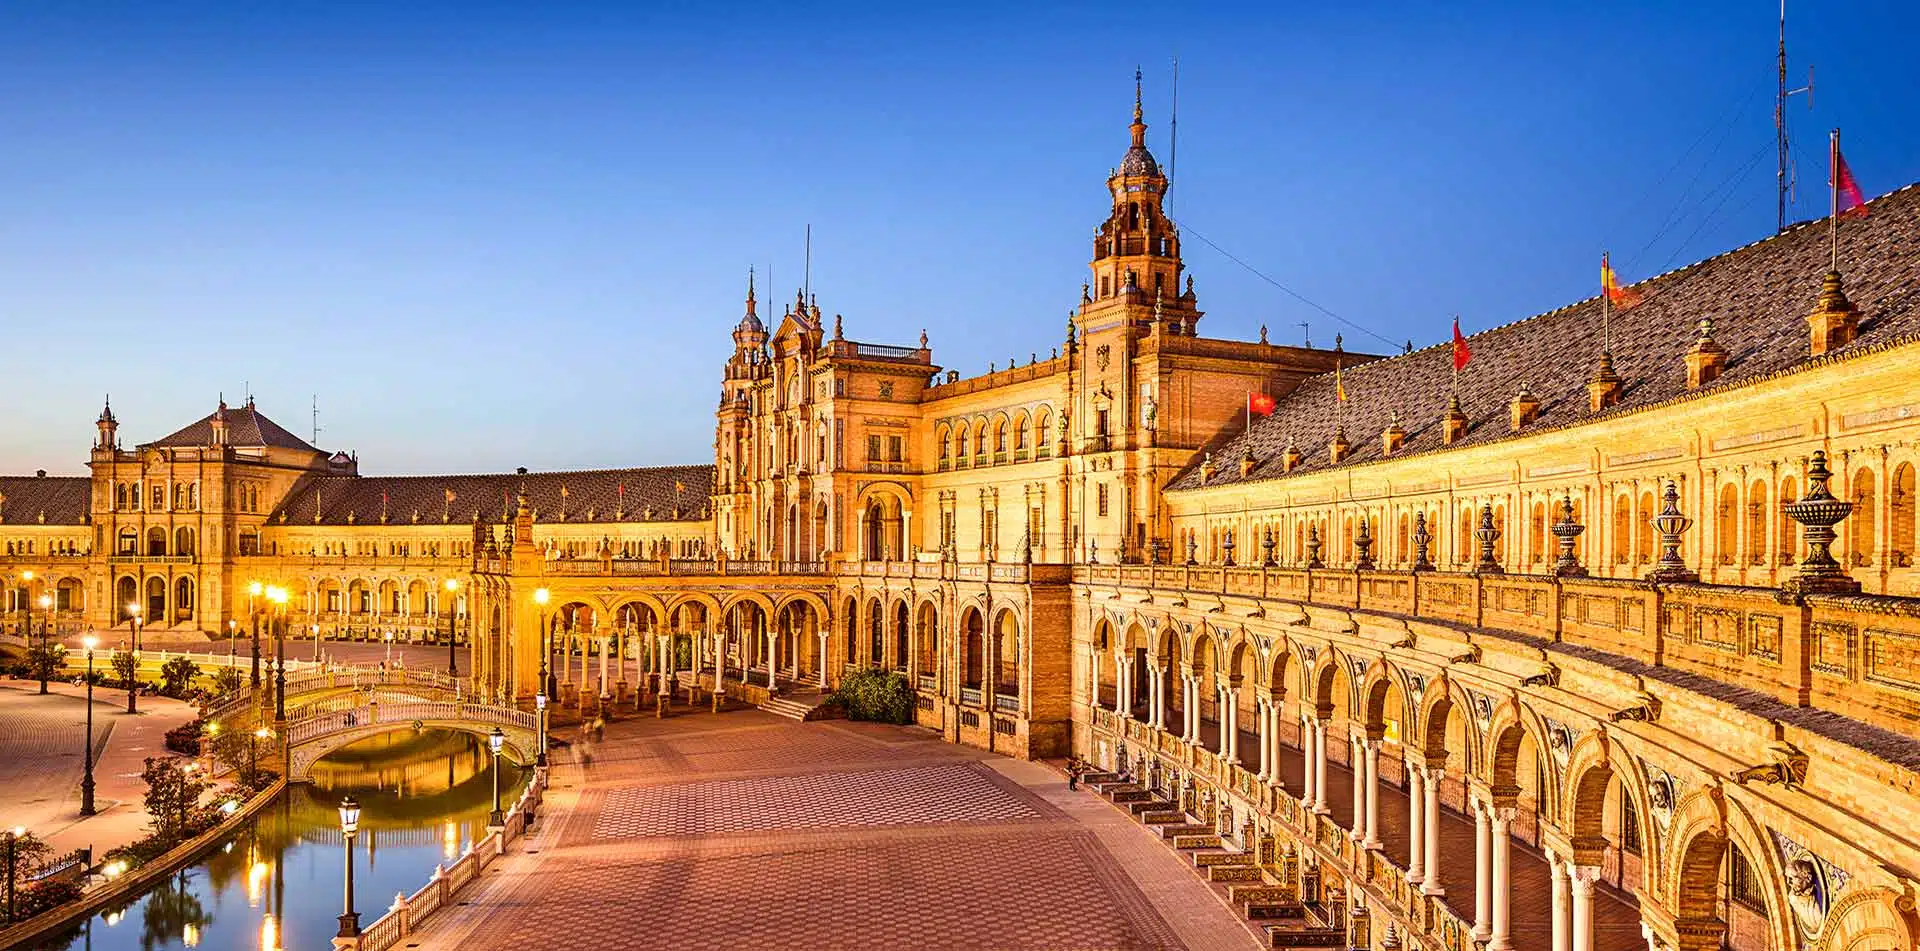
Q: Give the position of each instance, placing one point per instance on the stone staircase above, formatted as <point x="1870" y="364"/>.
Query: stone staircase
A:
<point x="1235" y="874"/>
<point x="803" y="707"/>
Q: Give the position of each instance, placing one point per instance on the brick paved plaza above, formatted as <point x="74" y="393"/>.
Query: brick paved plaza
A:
<point x="743" y="830"/>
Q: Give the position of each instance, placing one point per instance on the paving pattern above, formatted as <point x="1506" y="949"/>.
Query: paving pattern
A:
<point x="925" y="794"/>
<point x="42" y="742"/>
<point x="745" y="831"/>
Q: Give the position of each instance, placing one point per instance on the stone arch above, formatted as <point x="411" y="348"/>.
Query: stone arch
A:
<point x="1327" y="679"/>
<point x="1376" y="693"/>
<point x="1438" y="706"/>
<point x="619" y="605"/>
<point x="815" y="601"/>
<point x="1512" y="728"/>
<point x="738" y="598"/>
<point x="1869" y="920"/>
<point x="1692" y="867"/>
<point x="1590" y="773"/>
<point x="1008" y="634"/>
<point x="972" y="629"/>
<point x="1278" y="662"/>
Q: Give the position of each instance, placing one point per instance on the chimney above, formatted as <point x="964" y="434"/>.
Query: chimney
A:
<point x="1206" y="469"/>
<point x="1706" y="359"/>
<point x="1524" y="407"/>
<point x="1290" y="456"/>
<point x="1603" y="388"/>
<point x="1339" y="447"/>
<point x="1393" y="436"/>
<point x="1834" y="321"/>
<point x="1453" y="425"/>
<point x="1247" y="462"/>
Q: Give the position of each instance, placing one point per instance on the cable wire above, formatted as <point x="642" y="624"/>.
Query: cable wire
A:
<point x="1290" y="292"/>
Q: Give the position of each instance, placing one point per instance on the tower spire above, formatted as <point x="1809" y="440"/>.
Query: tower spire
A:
<point x="1139" y="127"/>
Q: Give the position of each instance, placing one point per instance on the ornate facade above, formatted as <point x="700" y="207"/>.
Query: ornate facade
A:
<point x="1570" y="601"/>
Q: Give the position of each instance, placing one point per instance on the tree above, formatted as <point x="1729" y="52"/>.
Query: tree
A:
<point x="226" y="682"/>
<point x="26" y="853"/>
<point x="881" y="695"/>
<point x="177" y="675"/>
<point x="126" y="665"/>
<point x="174" y="788"/>
<point x="44" y="662"/>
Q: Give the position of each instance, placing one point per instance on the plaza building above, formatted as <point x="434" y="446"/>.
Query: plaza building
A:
<point x="1606" y="640"/>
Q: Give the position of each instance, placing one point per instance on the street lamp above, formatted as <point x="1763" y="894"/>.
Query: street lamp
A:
<point x="46" y="622"/>
<point x="540" y="716"/>
<point x="86" y="779"/>
<point x="453" y="669"/>
<point x="495" y="740"/>
<point x="134" y="668"/>
<point x="540" y="597"/>
<point x="278" y="596"/>
<point x="254" y="591"/>
<point x="349" y="824"/>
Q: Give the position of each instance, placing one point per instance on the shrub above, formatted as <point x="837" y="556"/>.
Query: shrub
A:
<point x="173" y="799"/>
<point x="176" y="676"/>
<point x="879" y="695"/>
<point x="185" y="738"/>
<point x="125" y="665"/>
<point x="226" y="682"/>
<point x="43" y="663"/>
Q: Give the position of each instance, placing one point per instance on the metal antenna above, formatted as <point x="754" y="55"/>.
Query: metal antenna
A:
<point x="806" y="278"/>
<point x="316" y="419"/>
<point x="1307" y="333"/>
<point x="1784" y="178"/>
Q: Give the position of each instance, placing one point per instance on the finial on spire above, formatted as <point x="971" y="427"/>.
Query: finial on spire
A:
<point x="1139" y="127"/>
<point x="1136" y="93"/>
<point x="749" y="283"/>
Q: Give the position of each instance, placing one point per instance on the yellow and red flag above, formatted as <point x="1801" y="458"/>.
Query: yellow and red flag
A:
<point x="1260" y="404"/>
<point x="1339" y="385"/>
<point x="1622" y="297"/>
<point x="1460" y="352"/>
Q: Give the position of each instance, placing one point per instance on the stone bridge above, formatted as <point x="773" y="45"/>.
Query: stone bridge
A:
<point x="385" y="709"/>
<point x="304" y="684"/>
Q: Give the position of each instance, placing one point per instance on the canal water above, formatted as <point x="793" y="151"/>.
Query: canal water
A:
<point x="277" y="884"/>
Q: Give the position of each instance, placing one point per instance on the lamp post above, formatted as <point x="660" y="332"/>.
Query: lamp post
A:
<point x="254" y="591"/>
<point x="86" y="778"/>
<point x="278" y="596"/>
<point x="453" y="668"/>
<point x="46" y="623"/>
<point x="349" y="824"/>
<point x="540" y="597"/>
<point x="134" y="611"/>
<point x="26" y="598"/>
<point x="495" y="740"/>
<point x="540" y="718"/>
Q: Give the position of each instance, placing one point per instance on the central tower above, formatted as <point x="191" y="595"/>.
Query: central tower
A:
<point x="1136" y="251"/>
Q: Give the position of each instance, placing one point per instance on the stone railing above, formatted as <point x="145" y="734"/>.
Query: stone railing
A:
<point x="1365" y="870"/>
<point x="1857" y="655"/>
<point x="409" y="912"/>
<point x="654" y="567"/>
<point x="400" y="709"/>
<point x="308" y="677"/>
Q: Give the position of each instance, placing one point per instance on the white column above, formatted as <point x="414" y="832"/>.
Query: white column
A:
<point x="1372" y="841"/>
<point x="1483" y="872"/>
<point x="1416" y="826"/>
<point x="1502" y="881"/>
<point x="1122" y="679"/>
<point x="768" y="638"/>
<point x="1190" y="709"/>
<point x="603" y="666"/>
<point x="719" y="667"/>
<point x="1357" y="758"/>
<point x="1093" y="678"/>
<point x="1583" y="878"/>
<point x="821" y="661"/>
<point x="1306" y="758"/>
<point x="1227" y="719"/>
<point x="1562" y="902"/>
<point x="1433" y="886"/>
<point x="1260" y="722"/>
<point x="1320" y="766"/>
<point x="1273" y="742"/>
<point x="1157" y="704"/>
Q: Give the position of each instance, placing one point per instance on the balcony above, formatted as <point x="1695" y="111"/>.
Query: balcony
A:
<point x="150" y="559"/>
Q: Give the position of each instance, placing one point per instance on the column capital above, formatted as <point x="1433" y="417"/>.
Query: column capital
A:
<point x="1583" y="877"/>
<point x="1504" y="815"/>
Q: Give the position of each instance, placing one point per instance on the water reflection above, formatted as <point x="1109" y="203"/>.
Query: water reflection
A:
<point x="276" y="884"/>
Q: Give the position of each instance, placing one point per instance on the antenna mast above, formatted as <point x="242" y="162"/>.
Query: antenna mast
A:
<point x="316" y="419"/>
<point x="806" y="277"/>
<point x="1784" y="178"/>
<point x="1173" y="133"/>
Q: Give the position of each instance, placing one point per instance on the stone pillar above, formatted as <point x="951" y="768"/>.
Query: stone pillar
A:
<point x="1562" y="901"/>
<point x="1261" y="708"/>
<point x="719" y="672"/>
<point x="1093" y="677"/>
<point x="604" y="642"/>
<point x="1582" y="879"/>
<point x="1416" y="825"/>
<point x="1357" y="758"/>
<point x="1306" y="758"/>
<point x="1372" y="841"/>
<point x="768" y="639"/>
<point x="1502" y="880"/>
<point x="1273" y="742"/>
<point x="1320" y="767"/>
<point x="1482" y="872"/>
<point x="821" y="661"/>
<point x="1190" y="708"/>
<point x="1121" y="681"/>
<point x="1432" y="854"/>
<point x="1229" y="721"/>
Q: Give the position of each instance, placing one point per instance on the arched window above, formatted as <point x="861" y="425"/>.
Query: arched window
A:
<point x="1860" y="528"/>
<point x="946" y="447"/>
<point x="1786" y="531"/>
<point x="999" y="436"/>
<point x="1007" y="654"/>
<point x="1726" y="524"/>
<point x="1537" y="534"/>
<point x="1900" y="514"/>
<point x="183" y="599"/>
<point x="183" y="541"/>
<point x="156" y="541"/>
<point x="1043" y="432"/>
<point x="1643" y="528"/>
<point x="1020" y="427"/>
<point x="972" y="649"/>
<point x="1757" y="523"/>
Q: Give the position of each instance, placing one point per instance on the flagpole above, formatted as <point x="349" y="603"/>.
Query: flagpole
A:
<point x="1606" y="304"/>
<point x="1833" y="193"/>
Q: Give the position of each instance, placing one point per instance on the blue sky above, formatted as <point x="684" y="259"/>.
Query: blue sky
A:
<point x="490" y="235"/>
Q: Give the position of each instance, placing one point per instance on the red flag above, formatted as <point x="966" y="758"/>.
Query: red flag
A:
<point x="1261" y="404"/>
<point x="1622" y="296"/>
<point x="1847" y="197"/>
<point x="1460" y="352"/>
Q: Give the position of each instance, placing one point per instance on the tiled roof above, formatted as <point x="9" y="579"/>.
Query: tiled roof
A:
<point x="649" y="496"/>
<point x="246" y="426"/>
<point x="61" y="499"/>
<point x="1758" y="297"/>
